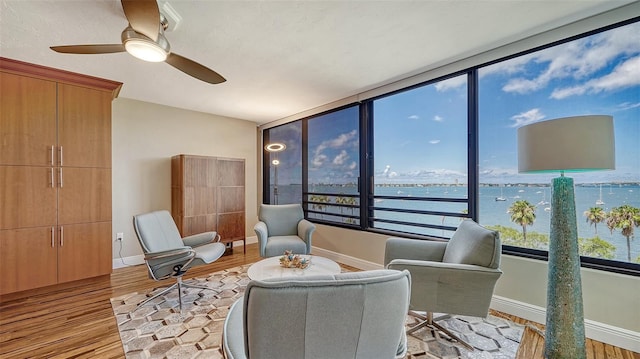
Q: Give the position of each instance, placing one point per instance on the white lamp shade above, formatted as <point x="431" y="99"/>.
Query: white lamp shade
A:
<point x="580" y="143"/>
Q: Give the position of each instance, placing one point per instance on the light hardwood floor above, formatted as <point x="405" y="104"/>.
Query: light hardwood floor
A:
<point x="75" y="320"/>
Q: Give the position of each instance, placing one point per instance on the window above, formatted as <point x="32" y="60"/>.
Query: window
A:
<point x="439" y="152"/>
<point x="283" y="165"/>
<point x="333" y="167"/>
<point x="420" y="159"/>
<point x="598" y="74"/>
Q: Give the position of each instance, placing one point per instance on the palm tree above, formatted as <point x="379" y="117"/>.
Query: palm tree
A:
<point x="594" y="216"/>
<point x="523" y="213"/>
<point x="596" y="247"/>
<point x="625" y="218"/>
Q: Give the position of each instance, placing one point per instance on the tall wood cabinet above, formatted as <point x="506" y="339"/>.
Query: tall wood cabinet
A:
<point x="55" y="176"/>
<point x="208" y="194"/>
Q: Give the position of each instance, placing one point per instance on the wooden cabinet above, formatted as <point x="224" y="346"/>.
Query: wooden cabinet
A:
<point x="55" y="176"/>
<point x="208" y="194"/>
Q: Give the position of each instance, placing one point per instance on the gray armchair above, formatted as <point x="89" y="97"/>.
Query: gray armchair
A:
<point x="455" y="277"/>
<point x="168" y="255"/>
<point x="356" y="315"/>
<point x="283" y="227"/>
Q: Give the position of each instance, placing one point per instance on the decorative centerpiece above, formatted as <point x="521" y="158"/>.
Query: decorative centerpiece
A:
<point x="290" y="260"/>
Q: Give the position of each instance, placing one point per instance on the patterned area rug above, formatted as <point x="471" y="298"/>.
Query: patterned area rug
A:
<point x="159" y="330"/>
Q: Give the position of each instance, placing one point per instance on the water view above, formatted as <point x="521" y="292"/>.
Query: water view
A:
<point x="494" y="200"/>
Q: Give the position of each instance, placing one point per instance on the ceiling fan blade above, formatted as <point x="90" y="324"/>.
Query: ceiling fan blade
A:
<point x="143" y="16"/>
<point x="194" y="69"/>
<point x="89" y="49"/>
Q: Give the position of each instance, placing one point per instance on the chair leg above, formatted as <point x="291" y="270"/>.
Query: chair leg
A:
<point x="163" y="292"/>
<point x="435" y="327"/>
<point x="179" y="285"/>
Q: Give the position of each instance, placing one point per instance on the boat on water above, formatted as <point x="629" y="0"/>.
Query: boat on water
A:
<point x="599" y="201"/>
<point x="501" y="198"/>
<point x="544" y="201"/>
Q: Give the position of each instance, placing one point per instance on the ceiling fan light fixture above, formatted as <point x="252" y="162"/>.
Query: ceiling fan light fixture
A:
<point x="144" y="48"/>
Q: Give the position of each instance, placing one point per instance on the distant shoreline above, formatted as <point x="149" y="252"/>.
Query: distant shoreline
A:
<point x="594" y="184"/>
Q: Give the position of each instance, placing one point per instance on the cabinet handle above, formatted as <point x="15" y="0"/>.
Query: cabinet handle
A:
<point x="60" y="179"/>
<point x="61" y="236"/>
<point x="52" y="154"/>
<point x="61" y="155"/>
<point x="53" y="237"/>
<point x="52" y="182"/>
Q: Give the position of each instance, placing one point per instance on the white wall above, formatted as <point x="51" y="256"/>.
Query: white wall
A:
<point x="144" y="138"/>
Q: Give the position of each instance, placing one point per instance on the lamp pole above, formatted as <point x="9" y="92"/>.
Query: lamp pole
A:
<point x="275" y="148"/>
<point x="564" y="334"/>
<point x="578" y="143"/>
<point x="275" y="164"/>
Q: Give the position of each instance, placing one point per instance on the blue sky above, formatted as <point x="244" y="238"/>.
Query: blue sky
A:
<point x="420" y="135"/>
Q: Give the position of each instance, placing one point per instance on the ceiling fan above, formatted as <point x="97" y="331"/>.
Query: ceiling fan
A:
<point x="144" y="38"/>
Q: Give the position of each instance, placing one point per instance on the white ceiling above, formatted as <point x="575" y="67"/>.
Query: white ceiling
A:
<point x="279" y="57"/>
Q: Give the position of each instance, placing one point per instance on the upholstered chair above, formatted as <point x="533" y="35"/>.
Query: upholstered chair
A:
<point x="168" y="255"/>
<point x="283" y="227"/>
<point x="358" y="315"/>
<point x="454" y="277"/>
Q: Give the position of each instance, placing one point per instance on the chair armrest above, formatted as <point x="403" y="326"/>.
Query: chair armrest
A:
<point x="404" y="248"/>
<point x="263" y="233"/>
<point x="172" y="254"/>
<point x="305" y="230"/>
<point x="201" y="239"/>
<point x="418" y="267"/>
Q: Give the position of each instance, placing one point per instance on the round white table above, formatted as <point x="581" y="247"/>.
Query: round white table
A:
<point x="271" y="268"/>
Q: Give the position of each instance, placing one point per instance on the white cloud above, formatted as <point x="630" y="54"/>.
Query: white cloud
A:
<point x="451" y="83"/>
<point x="433" y="142"/>
<point x="319" y="160"/>
<point x="343" y="140"/>
<point x="353" y="165"/>
<point x="438" y="118"/>
<point x="341" y="158"/>
<point x="388" y="173"/>
<point x="525" y="118"/>
<point x="627" y="106"/>
<point x="626" y="74"/>
<point x="414" y="117"/>
<point x="579" y="59"/>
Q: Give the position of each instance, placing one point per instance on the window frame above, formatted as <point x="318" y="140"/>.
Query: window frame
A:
<point x="366" y="188"/>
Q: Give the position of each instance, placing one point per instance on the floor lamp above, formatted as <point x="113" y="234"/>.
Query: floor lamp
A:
<point x="275" y="148"/>
<point x="571" y="144"/>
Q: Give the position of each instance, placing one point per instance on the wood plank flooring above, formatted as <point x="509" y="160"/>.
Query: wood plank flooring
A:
<point x="75" y="320"/>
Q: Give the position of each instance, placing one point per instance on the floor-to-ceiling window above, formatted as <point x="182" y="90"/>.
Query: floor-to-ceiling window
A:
<point x="417" y="161"/>
<point x="420" y="159"/>
<point x="283" y="164"/>
<point x="597" y="74"/>
<point x="333" y="166"/>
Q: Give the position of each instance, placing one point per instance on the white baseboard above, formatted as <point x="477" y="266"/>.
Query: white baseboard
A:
<point x="128" y="261"/>
<point x="139" y="259"/>
<point x="601" y="332"/>
<point x="344" y="259"/>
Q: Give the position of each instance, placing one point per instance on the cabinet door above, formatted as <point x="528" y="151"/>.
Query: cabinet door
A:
<point x="230" y="172"/>
<point x="231" y="226"/>
<point x="199" y="185"/>
<point x="27" y="197"/>
<point x="84" y="251"/>
<point x="27" y="120"/>
<point x="84" y="195"/>
<point x="27" y="259"/>
<point x="84" y="125"/>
